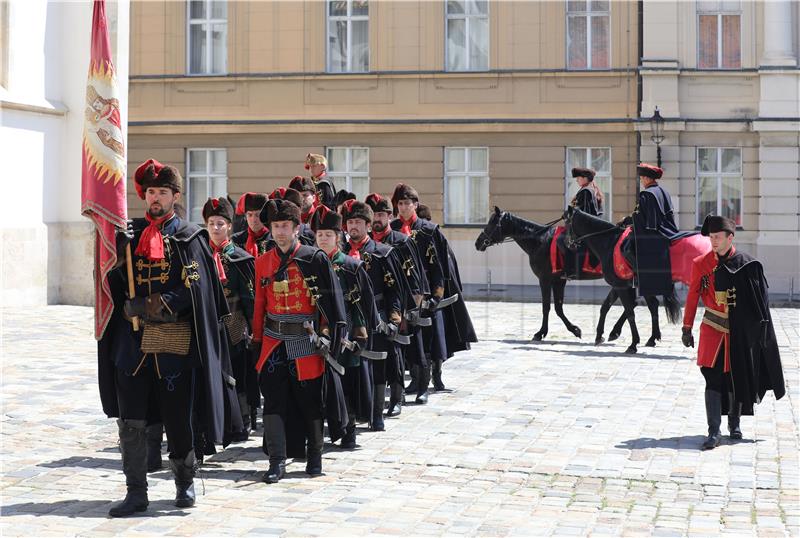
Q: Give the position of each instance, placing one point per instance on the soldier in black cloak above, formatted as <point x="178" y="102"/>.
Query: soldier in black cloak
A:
<point x="236" y="269"/>
<point x="589" y="200"/>
<point x="362" y="321"/>
<point x="317" y="166"/>
<point x="748" y="363"/>
<point x="178" y="356"/>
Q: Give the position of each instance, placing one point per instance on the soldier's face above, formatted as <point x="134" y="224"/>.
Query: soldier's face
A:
<point x="721" y="242"/>
<point x="254" y="220"/>
<point x="406" y="208"/>
<point x="316" y="169"/>
<point x="582" y="181"/>
<point x="356" y="229"/>
<point x="160" y="200"/>
<point x="308" y="200"/>
<point x="218" y="229"/>
<point x="380" y="221"/>
<point x="283" y="232"/>
<point x="327" y="240"/>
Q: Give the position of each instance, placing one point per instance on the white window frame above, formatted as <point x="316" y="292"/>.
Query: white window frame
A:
<point x="209" y="22"/>
<point x="349" y="18"/>
<point x="468" y="174"/>
<point x="608" y="208"/>
<point x="348" y="173"/>
<point x="719" y="12"/>
<point x="207" y="175"/>
<point x="466" y="17"/>
<point x="719" y="175"/>
<point x="589" y="15"/>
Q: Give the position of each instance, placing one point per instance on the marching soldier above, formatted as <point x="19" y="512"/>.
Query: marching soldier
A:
<point x="304" y="233"/>
<point x="588" y="199"/>
<point x="297" y="300"/>
<point x="415" y="282"/>
<point x="653" y="229"/>
<point x="362" y="320"/>
<point x="451" y="329"/>
<point x="163" y="342"/>
<point x="386" y="276"/>
<point x="308" y="192"/>
<point x="737" y="352"/>
<point x="255" y="240"/>
<point x="236" y="269"/>
<point x="317" y="166"/>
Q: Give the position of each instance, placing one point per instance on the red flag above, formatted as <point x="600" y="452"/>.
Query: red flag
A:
<point x="103" y="170"/>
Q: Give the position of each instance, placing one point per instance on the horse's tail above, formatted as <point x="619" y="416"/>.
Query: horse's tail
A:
<point x="673" y="306"/>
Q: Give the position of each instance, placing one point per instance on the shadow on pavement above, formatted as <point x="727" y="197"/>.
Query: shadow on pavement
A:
<point x="74" y="508"/>
<point x="84" y="461"/>
<point x="621" y="353"/>
<point x="687" y="442"/>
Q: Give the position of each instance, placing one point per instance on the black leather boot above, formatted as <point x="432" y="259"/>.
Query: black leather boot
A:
<point x="184" y="470"/>
<point x="714" y="419"/>
<point x="275" y="438"/>
<point x="378" y="399"/>
<point x="734" y="416"/>
<point x="349" y="437"/>
<point x="395" y="399"/>
<point x="414" y="383"/>
<point x="436" y="370"/>
<point x="133" y="446"/>
<point x="422" y="388"/>
<point x="314" y="447"/>
<point x="154" y="435"/>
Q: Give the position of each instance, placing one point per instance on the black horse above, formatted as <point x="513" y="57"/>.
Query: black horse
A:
<point x="600" y="237"/>
<point x="535" y="240"/>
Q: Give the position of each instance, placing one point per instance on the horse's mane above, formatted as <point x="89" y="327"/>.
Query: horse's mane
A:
<point x="595" y="222"/>
<point x="524" y="226"/>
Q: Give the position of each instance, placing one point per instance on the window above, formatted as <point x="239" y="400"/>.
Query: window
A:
<point x="588" y="42"/>
<point x="206" y="177"/>
<point x="348" y="36"/>
<point x="467" y="41"/>
<point x="719" y="35"/>
<point x="719" y="183"/>
<point x="466" y="185"/>
<point x="598" y="159"/>
<point x="207" y="47"/>
<point x="348" y="169"/>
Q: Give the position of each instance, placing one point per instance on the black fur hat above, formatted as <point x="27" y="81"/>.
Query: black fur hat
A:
<point x="588" y="173"/>
<point x="378" y="203"/>
<point x="325" y="219"/>
<point x="219" y="207"/>
<point x="152" y="173"/>
<point x="279" y="209"/>
<point x="290" y="195"/>
<point x="353" y="209"/>
<point x="715" y="223"/>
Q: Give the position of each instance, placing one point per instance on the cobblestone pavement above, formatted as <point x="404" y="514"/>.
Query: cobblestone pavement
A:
<point x="558" y="437"/>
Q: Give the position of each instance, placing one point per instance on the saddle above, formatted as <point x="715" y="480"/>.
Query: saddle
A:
<point x="558" y="249"/>
<point x="682" y="250"/>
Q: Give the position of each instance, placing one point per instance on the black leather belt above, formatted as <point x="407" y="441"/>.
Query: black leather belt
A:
<point x="286" y="327"/>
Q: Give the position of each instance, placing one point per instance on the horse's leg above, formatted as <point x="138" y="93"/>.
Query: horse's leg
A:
<point x="558" y="297"/>
<point x="545" y="286"/>
<point x="604" y="308"/>
<point x="616" y="330"/>
<point x="655" y="334"/>
<point x="628" y="298"/>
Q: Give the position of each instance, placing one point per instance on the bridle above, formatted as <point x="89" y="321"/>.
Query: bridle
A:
<point x="571" y="240"/>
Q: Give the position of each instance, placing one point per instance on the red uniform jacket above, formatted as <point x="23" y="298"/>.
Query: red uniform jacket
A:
<point x="271" y="299"/>
<point x="714" y="327"/>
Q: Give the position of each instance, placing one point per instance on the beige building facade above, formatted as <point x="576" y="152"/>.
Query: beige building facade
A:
<point x="474" y="103"/>
<point x="725" y="76"/>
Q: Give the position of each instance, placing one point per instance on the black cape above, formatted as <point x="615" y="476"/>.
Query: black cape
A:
<point x="220" y="415"/>
<point x="755" y="359"/>
<point x="654" y="229"/>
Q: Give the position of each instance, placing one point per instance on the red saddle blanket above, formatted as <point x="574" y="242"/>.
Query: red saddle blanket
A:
<point x="557" y="257"/>
<point x="681" y="254"/>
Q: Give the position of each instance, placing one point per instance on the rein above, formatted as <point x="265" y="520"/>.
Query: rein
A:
<point x="601" y="232"/>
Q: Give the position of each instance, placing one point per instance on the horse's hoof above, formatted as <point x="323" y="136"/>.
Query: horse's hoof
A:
<point x="576" y="331"/>
<point x="631" y="350"/>
<point x="537" y="337"/>
<point x="651" y="342"/>
<point x="613" y="336"/>
<point x="599" y="340"/>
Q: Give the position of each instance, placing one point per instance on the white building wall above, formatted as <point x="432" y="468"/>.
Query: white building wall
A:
<point x="47" y="246"/>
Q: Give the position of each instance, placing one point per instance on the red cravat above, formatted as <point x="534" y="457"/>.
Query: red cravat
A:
<point x="151" y="243"/>
<point x="355" y="248"/>
<point x="407" y="224"/>
<point x="218" y="260"/>
<point x="380" y="236"/>
<point x="250" y="245"/>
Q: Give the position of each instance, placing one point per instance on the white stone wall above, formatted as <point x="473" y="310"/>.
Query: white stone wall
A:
<point x="47" y="246"/>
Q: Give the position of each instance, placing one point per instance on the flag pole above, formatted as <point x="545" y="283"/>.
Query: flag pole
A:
<point x="131" y="288"/>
